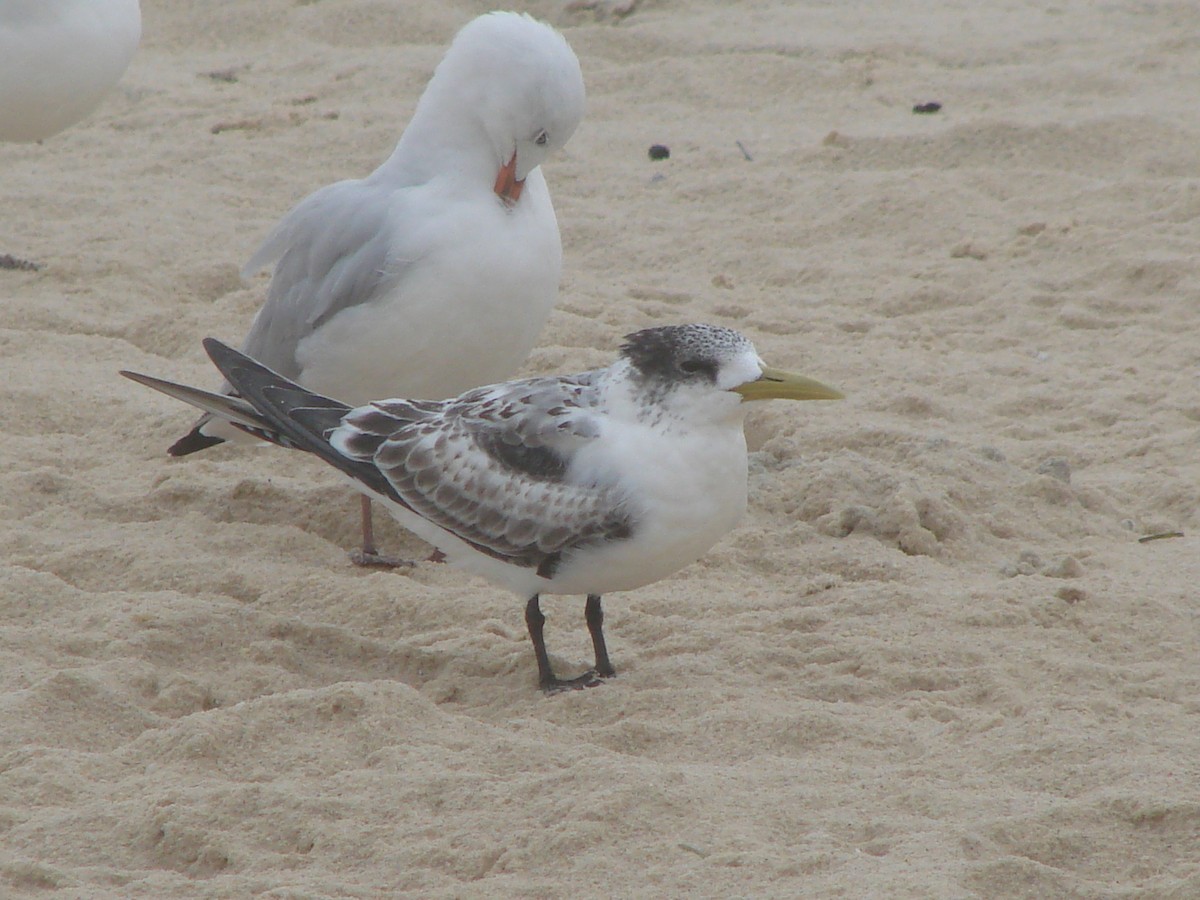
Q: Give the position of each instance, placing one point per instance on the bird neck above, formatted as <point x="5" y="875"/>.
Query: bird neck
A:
<point x="651" y="402"/>
<point x="444" y="137"/>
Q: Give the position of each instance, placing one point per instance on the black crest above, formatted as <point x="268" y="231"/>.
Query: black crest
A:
<point x="679" y="353"/>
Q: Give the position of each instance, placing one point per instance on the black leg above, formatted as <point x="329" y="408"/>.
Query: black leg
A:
<point x="547" y="680"/>
<point x="534" y="620"/>
<point x="594" y="615"/>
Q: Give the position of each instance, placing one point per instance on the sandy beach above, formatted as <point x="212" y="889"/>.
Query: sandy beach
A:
<point x="936" y="660"/>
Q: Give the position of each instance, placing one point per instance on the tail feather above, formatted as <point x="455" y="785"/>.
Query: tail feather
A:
<point x="296" y="416"/>
<point x="233" y="409"/>
<point x="272" y="408"/>
<point x="194" y="441"/>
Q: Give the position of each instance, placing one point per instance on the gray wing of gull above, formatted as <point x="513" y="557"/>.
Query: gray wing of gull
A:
<point x="331" y="252"/>
<point x="494" y="467"/>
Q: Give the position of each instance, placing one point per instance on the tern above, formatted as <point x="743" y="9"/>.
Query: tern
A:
<point x="579" y="484"/>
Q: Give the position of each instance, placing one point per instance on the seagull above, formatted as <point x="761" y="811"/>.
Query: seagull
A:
<point x="579" y="484"/>
<point x="58" y="58"/>
<point x="436" y="272"/>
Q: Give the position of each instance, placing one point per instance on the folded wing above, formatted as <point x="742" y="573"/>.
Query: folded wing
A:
<point x="492" y="467"/>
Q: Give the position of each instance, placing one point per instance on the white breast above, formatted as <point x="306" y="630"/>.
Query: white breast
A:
<point x="686" y="490"/>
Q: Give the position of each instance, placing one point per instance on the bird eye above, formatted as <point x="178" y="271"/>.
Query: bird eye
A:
<point x="691" y="366"/>
<point x="541" y="139"/>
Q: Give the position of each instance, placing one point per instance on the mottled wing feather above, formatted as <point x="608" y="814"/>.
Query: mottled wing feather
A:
<point x="364" y="429"/>
<point x="493" y="467"/>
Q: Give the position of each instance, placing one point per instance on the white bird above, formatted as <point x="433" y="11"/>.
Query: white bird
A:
<point x="58" y="58"/>
<point x="436" y="272"/>
<point x="580" y="484"/>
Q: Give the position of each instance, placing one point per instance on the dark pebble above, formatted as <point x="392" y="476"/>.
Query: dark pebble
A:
<point x="17" y="264"/>
<point x="660" y="151"/>
<point x="926" y="109"/>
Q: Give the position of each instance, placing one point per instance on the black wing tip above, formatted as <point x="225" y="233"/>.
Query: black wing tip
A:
<point x="236" y="365"/>
<point x="148" y="380"/>
<point x="219" y="351"/>
<point x="192" y="442"/>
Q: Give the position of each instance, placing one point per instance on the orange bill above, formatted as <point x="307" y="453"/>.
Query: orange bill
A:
<point x="507" y="186"/>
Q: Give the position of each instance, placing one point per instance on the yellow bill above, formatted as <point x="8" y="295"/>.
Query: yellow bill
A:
<point x="776" y="384"/>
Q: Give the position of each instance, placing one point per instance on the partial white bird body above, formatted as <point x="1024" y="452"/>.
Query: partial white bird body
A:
<point x="477" y="279"/>
<point x="603" y="481"/>
<point x="58" y="59"/>
<point x="436" y="272"/>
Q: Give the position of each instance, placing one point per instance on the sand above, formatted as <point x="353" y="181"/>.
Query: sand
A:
<point x="935" y="661"/>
